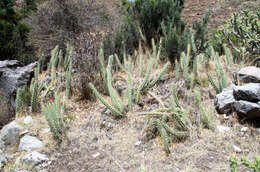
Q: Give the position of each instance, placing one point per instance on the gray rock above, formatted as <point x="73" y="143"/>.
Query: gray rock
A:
<point x="224" y="102"/>
<point x="33" y="159"/>
<point x="249" y="92"/>
<point x="247" y="109"/>
<point x="12" y="76"/>
<point x="6" y="109"/>
<point x="28" y="143"/>
<point x="10" y="134"/>
<point x="249" y="74"/>
<point x="28" y="120"/>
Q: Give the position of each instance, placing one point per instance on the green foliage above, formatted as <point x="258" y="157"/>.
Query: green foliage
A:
<point x="242" y="34"/>
<point x="233" y="163"/>
<point x="53" y="114"/>
<point x="252" y="165"/>
<point x="129" y="87"/>
<point x="142" y="19"/>
<point x="13" y="34"/>
<point x="68" y="81"/>
<point x="34" y="96"/>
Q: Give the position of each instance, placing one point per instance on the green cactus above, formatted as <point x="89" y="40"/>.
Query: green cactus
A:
<point x="129" y="88"/>
<point x="159" y="75"/>
<point x="68" y="81"/>
<point x="53" y="115"/>
<point x="112" y="92"/>
<point x="164" y="135"/>
<point x="177" y="70"/>
<point x="146" y="80"/>
<point x="34" y="96"/>
<point x="18" y="101"/>
<point x="98" y="95"/>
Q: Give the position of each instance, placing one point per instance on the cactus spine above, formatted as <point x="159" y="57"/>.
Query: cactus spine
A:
<point x="159" y="75"/>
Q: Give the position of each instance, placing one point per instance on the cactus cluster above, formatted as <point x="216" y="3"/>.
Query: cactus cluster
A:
<point x="173" y="113"/>
<point x="222" y="80"/>
<point x="117" y="108"/>
<point x="53" y="115"/>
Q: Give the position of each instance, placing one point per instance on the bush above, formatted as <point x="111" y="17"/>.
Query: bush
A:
<point x="13" y="34"/>
<point x="242" y="34"/>
<point x="177" y="37"/>
<point x="58" y="22"/>
<point x="142" y="20"/>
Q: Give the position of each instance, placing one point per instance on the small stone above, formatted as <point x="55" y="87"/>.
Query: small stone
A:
<point x="237" y="149"/>
<point x="45" y="130"/>
<point x="34" y="158"/>
<point x="96" y="155"/>
<point x="138" y="143"/>
<point x="28" y="143"/>
<point x="222" y="128"/>
<point x="27" y="120"/>
<point x="244" y="129"/>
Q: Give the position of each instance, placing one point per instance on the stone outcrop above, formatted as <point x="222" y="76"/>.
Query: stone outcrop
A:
<point x="245" y="100"/>
<point x="12" y="76"/>
<point x="224" y="101"/>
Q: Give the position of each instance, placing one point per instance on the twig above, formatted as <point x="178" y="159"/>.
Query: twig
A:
<point x="157" y="98"/>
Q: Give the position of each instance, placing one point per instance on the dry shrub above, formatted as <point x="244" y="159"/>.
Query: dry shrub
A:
<point x="80" y="22"/>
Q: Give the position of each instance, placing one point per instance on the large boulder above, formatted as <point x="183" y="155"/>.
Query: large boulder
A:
<point x="9" y="134"/>
<point x="12" y="76"/>
<point x="250" y="74"/>
<point x="224" y="101"/>
<point x="249" y="92"/>
<point x="247" y="109"/>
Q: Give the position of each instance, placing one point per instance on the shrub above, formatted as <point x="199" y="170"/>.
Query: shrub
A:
<point x="142" y="20"/>
<point x="13" y="34"/>
<point x="242" y="34"/>
<point x="58" y="22"/>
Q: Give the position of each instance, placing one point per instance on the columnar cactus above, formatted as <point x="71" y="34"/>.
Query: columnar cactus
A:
<point x="34" y="97"/>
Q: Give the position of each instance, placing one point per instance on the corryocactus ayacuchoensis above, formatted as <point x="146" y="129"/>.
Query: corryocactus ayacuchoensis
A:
<point x="53" y="115"/>
<point x="110" y="107"/>
<point x="68" y="81"/>
<point x="130" y="87"/>
<point x="159" y="75"/>
<point x="34" y="97"/>
<point x="18" y="101"/>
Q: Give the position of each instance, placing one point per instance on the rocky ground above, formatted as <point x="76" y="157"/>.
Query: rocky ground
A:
<point x="95" y="141"/>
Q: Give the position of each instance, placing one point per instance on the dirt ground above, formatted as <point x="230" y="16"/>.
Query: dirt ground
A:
<point x="98" y="143"/>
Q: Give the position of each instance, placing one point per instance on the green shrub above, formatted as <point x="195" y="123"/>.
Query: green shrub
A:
<point x="142" y="20"/>
<point x="13" y="33"/>
<point x="242" y="34"/>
